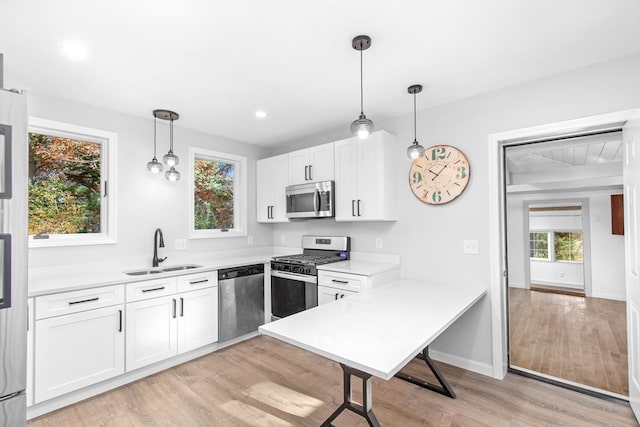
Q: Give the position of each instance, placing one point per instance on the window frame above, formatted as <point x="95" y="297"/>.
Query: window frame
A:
<point x="555" y="257"/>
<point x="108" y="174"/>
<point x="239" y="191"/>
<point x="549" y="251"/>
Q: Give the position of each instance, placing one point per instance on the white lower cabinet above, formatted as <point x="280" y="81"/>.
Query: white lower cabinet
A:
<point x="31" y="324"/>
<point x="78" y="349"/>
<point x="162" y="327"/>
<point x="151" y="331"/>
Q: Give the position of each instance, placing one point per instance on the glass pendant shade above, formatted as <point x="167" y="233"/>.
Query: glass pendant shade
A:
<point x="362" y="127"/>
<point x="415" y="150"/>
<point x="171" y="159"/>
<point x="154" y="166"/>
<point x="172" y="174"/>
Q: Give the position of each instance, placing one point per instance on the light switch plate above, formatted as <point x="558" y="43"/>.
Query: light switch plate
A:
<point x="470" y="247"/>
<point x="181" y="244"/>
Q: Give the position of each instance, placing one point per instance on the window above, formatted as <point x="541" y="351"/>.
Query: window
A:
<point x="71" y="184"/>
<point x="539" y="245"/>
<point x="218" y="194"/>
<point x="567" y="246"/>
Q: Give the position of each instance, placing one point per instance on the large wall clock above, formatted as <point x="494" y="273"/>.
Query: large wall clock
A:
<point x="440" y="175"/>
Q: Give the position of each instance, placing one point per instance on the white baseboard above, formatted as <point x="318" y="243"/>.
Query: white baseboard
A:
<point x="469" y="365"/>
<point x="610" y="296"/>
<point x="517" y="285"/>
<point x="567" y="285"/>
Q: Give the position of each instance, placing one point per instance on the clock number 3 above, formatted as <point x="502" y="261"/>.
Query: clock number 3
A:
<point x="438" y="153"/>
<point x="462" y="172"/>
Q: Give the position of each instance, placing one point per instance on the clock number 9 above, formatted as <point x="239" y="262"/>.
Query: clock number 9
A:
<point x="438" y="153"/>
<point x="417" y="177"/>
<point x="462" y="172"/>
<point x="437" y="196"/>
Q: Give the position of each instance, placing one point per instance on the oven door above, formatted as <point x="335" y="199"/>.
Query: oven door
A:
<point x="292" y="293"/>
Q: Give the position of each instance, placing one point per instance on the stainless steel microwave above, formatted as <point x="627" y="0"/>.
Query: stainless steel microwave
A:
<point x="311" y="200"/>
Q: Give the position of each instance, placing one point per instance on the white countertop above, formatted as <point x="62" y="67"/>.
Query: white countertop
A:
<point x="363" y="268"/>
<point x="53" y="279"/>
<point x="379" y="330"/>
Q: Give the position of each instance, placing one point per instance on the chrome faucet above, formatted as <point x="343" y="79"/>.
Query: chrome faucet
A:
<point x="157" y="261"/>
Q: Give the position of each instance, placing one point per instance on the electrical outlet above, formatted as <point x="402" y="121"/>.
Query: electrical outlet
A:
<point x="181" y="244"/>
<point x="470" y="246"/>
<point x="250" y="240"/>
<point x="378" y="242"/>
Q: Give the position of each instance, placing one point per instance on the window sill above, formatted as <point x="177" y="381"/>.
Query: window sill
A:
<point x="210" y="234"/>
<point x="72" y="240"/>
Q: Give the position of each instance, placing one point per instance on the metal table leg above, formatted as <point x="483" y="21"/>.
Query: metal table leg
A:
<point x="444" y="387"/>
<point x="363" y="410"/>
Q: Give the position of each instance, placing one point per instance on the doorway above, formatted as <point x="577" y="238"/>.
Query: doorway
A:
<point x="563" y="326"/>
<point x="629" y="122"/>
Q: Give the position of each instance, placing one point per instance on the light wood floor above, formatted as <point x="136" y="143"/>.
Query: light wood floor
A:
<point x="265" y="382"/>
<point x="580" y="339"/>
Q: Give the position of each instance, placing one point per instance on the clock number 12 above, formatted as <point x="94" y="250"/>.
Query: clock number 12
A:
<point x="438" y="153"/>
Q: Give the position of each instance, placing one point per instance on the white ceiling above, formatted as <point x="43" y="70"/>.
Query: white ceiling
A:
<point x="217" y="62"/>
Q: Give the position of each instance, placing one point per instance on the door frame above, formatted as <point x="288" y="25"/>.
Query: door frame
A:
<point x="498" y="277"/>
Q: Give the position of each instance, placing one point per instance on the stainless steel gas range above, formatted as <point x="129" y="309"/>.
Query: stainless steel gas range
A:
<point x="294" y="278"/>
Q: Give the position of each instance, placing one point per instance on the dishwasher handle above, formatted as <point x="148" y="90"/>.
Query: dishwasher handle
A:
<point x="243" y="271"/>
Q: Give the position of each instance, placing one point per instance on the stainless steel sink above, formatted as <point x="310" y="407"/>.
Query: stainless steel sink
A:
<point x="158" y="270"/>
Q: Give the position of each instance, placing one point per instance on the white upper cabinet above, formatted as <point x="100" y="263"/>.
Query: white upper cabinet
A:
<point x="272" y="179"/>
<point x="365" y="178"/>
<point x="312" y="164"/>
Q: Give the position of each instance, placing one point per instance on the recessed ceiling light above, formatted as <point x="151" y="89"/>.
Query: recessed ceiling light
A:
<point x="74" y="50"/>
<point x="261" y="114"/>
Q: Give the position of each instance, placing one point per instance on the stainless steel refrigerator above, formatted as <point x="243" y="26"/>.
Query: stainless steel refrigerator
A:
<point x="13" y="256"/>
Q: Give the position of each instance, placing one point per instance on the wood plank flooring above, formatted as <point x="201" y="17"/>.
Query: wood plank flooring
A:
<point x="265" y="382"/>
<point x="580" y="339"/>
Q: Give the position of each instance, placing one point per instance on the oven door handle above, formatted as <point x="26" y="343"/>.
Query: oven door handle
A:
<point x="294" y="276"/>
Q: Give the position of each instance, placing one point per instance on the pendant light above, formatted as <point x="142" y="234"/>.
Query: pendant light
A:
<point x="415" y="150"/>
<point x="154" y="166"/>
<point x="169" y="159"/>
<point x="363" y="126"/>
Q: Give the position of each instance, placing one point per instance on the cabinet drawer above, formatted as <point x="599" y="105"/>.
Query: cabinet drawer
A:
<point x="191" y="282"/>
<point x="77" y="301"/>
<point x="151" y="289"/>
<point x="341" y="280"/>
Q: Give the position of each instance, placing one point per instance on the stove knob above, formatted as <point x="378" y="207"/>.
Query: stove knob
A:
<point x="307" y="270"/>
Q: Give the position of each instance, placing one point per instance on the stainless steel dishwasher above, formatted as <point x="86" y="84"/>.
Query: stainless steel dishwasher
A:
<point x="240" y="300"/>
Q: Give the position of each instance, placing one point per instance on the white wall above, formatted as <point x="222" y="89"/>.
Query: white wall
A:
<point x="146" y="201"/>
<point x="429" y="238"/>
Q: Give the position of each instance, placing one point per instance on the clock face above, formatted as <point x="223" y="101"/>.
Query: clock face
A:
<point x="440" y="175"/>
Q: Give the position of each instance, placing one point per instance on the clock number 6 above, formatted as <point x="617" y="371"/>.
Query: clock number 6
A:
<point x="437" y="196"/>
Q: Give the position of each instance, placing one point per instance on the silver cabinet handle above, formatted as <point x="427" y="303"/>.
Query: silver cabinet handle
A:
<point x="358" y="204"/>
<point x="310" y="177"/>
<point x="181" y="307"/>
<point x="353" y="208"/>
<point x="174" y="308"/>
<point x="344" y="282"/>
<point x="341" y="296"/>
<point x="120" y="321"/>
<point x="195" y="282"/>
<point x="335" y="296"/>
<point x="306" y="173"/>
<point x="84" y="300"/>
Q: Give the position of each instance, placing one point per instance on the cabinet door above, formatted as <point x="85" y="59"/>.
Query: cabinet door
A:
<point x="326" y="294"/>
<point x="77" y="350"/>
<point x="197" y="319"/>
<point x="321" y="161"/>
<point x="299" y="167"/>
<point x="151" y="331"/>
<point x="272" y="179"/>
<point x="346" y="154"/>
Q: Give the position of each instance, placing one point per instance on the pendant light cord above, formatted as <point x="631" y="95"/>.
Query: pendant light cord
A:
<point x="155" y="124"/>
<point x="171" y="136"/>
<point x="415" y="132"/>
<point x="361" y="85"/>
